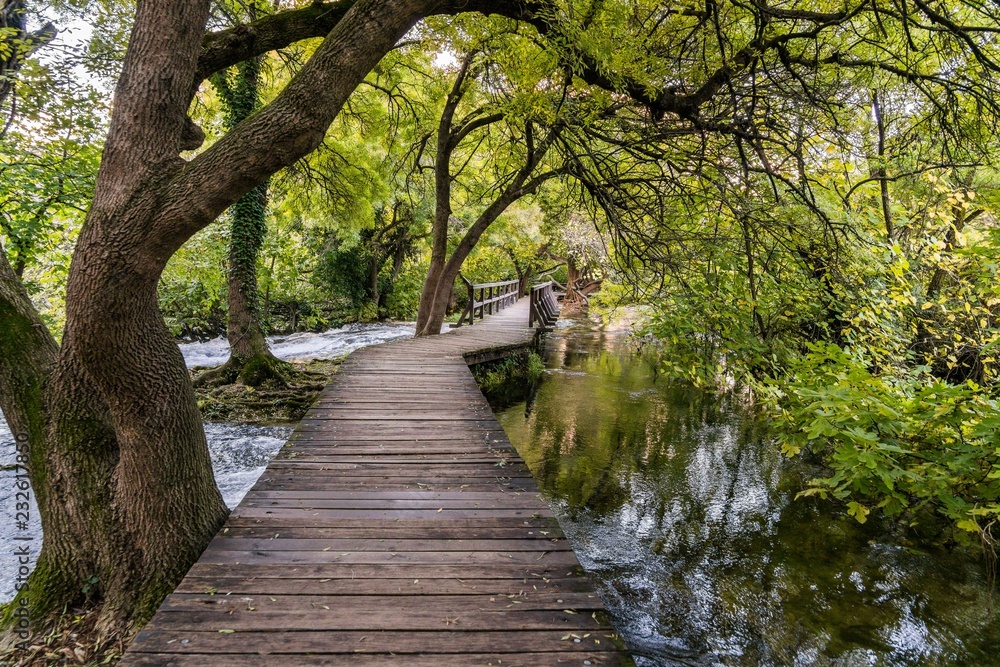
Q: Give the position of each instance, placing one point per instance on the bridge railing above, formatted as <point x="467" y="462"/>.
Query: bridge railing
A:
<point x="488" y="299"/>
<point x="544" y="306"/>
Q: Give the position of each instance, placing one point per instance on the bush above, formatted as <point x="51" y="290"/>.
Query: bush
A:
<point x="902" y="442"/>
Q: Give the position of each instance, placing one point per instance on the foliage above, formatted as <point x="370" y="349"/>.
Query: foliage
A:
<point x="50" y="147"/>
<point x="510" y="379"/>
<point x="193" y="288"/>
<point x="880" y="360"/>
<point x="906" y="443"/>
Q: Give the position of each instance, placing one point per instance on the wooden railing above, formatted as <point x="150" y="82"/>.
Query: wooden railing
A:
<point x="487" y="299"/>
<point x="544" y="306"/>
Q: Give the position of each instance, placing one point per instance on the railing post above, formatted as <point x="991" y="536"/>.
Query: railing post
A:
<point x="470" y="308"/>
<point x="489" y="298"/>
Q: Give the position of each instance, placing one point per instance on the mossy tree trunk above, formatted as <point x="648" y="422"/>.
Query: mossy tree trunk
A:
<point x="250" y="360"/>
<point x="119" y="463"/>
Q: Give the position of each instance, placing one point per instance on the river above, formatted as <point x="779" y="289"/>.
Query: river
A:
<point x="683" y="511"/>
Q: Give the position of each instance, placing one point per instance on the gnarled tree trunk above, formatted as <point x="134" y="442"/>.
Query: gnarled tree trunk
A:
<point x="119" y="460"/>
<point x="443" y="271"/>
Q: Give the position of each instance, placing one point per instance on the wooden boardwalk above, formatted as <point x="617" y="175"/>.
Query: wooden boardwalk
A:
<point x="397" y="527"/>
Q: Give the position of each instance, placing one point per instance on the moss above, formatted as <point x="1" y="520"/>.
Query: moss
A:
<point x="269" y="403"/>
<point x="259" y="369"/>
<point x="42" y="600"/>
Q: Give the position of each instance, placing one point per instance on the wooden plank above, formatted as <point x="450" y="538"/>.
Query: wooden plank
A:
<point x="375" y="586"/>
<point x="451" y="557"/>
<point x="468" y="496"/>
<point x="389" y="617"/>
<point x="369" y="544"/>
<point x="568" y="657"/>
<point x="408" y="605"/>
<point x="353" y="642"/>
<point x="390" y="531"/>
<point x="537" y="571"/>
<point x="397" y="526"/>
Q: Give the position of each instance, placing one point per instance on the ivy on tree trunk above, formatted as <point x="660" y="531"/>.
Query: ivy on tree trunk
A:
<point x="251" y="360"/>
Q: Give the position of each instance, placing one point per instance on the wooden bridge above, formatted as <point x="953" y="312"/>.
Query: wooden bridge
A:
<point x="397" y="527"/>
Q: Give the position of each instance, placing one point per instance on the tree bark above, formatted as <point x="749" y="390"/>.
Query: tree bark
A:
<point x="442" y="198"/>
<point x="65" y="432"/>
<point x="443" y="270"/>
<point x="119" y="460"/>
<point x="250" y="358"/>
<point x="572" y="277"/>
<point x="441" y="281"/>
<point x="880" y="171"/>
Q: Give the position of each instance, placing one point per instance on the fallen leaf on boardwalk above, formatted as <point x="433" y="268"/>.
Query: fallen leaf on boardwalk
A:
<point x="227" y="631"/>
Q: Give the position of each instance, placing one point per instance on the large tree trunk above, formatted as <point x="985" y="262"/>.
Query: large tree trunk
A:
<point x="120" y="467"/>
<point x="444" y="281"/>
<point x="250" y="358"/>
<point x="572" y="277"/>
<point x="29" y="353"/>
<point x="161" y="505"/>
<point x="437" y="291"/>
<point x="441" y="282"/>
<point x="244" y="330"/>
<point x="442" y="203"/>
<point x="119" y="460"/>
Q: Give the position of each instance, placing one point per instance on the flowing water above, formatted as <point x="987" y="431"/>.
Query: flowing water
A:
<point x="684" y="513"/>
<point x="239" y="455"/>
<point x="304" y="346"/>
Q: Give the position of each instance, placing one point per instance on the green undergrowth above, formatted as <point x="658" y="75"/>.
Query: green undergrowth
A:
<point x="511" y="379"/>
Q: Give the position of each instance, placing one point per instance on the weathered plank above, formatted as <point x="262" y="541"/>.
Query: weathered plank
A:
<point x="397" y="526"/>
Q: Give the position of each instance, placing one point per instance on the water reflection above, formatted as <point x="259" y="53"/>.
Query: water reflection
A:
<point x="684" y="512"/>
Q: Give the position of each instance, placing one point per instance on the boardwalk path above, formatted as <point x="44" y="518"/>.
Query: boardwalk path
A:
<point x="398" y="526"/>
